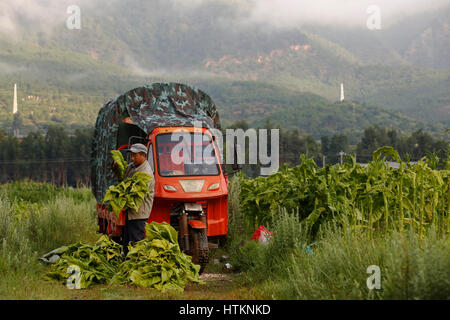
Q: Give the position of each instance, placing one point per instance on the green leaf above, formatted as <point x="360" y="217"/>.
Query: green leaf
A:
<point x="121" y="163"/>
<point x="154" y="262"/>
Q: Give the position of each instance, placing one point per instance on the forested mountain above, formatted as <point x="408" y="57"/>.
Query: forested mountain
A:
<point x="251" y="69"/>
<point x="308" y="113"/>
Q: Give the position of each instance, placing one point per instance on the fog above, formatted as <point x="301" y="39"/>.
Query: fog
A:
<point x="35" y="15"/>
<point x="22" y="15"/>
<point x="291" y="13"/>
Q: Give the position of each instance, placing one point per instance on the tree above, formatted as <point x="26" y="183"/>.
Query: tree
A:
<point x="57" y="149"/>
<point x="373" y="138"/>
<point x="330" y="147"/>
<point x="33" y="150"/>
<point x="416" y="145"/>
<point x="80" y="149"/>
<point x="17" y="124"/>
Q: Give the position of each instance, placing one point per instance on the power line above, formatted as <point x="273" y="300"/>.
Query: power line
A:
<point x="44" y="161"/>
<point x="283" y="156"/>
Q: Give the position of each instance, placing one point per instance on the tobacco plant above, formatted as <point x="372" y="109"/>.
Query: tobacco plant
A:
<point x="375" y="197"/>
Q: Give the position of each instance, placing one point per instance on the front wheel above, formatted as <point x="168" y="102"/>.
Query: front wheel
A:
<point x="198" y="243"/>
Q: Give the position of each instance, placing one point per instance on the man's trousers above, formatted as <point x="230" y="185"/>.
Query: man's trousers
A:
<point x="133" y="231"/>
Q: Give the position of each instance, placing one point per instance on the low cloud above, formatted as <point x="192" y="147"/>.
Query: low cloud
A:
<point x="43" y="15"/>
<point x="161" y="74"/>
<point x="294" y="13"/>
<point x="8" y="68"/>
<point x="21" y="16"/>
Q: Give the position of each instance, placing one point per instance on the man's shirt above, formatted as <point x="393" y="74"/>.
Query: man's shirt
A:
<point x="146" y="206"/>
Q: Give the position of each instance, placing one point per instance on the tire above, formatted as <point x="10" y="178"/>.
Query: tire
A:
<point x="198" y="242"/>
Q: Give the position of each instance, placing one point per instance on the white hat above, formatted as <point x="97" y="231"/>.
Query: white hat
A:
<point x="138" y="148"/>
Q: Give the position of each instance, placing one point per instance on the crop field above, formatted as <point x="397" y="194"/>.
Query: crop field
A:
<point x="331" y="228"/>
<point x="36" y="218"/>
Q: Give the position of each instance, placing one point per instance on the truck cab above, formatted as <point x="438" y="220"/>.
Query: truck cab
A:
<point x="194" y="178"/>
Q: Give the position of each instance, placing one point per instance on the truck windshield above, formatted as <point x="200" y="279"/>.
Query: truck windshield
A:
<point x="186" y="154"/>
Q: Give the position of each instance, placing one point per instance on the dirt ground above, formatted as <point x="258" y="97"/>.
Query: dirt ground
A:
<point x="218" y="286"/>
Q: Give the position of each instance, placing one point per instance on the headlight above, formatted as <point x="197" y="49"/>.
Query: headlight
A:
<point x="214" y="186"/>
<point x="192" y="185"/>
<point x="168" y="187"/>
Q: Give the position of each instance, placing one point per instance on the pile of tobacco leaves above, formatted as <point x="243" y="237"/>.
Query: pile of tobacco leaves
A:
<point x="154" y="262"/>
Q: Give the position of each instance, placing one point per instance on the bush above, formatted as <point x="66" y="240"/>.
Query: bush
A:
<point x="15" y="247"/>
<point x="335" y="266"/>
<point x="238" y="229"/>
<point x="60" y="222"/>
<point x="288" y="233"/>
<point x="411" y="268"/>
<point x="249" y="257"/>
<point x="264" y="260"/>
<point x="28" y="230"/>
<point x="39" y="192"/>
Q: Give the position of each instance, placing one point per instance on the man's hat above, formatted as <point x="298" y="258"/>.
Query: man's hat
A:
<point x="138" y="148"/>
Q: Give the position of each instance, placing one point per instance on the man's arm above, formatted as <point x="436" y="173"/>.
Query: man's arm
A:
<point x="116" y="171"/>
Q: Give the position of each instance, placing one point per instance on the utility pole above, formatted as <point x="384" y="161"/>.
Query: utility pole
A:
<point x="341" y="154"/>
<point x="323" y="161"/>
<point x="342" y="92"/>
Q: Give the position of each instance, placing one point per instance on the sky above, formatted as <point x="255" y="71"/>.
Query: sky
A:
<point x="18" y="15"/>
<point x="276" y="13"/>
<point x="289" y="13"/>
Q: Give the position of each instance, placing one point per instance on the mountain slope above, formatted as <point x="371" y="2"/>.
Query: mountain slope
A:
<point x="123" y="44"/>
<point x="310" y="114"/>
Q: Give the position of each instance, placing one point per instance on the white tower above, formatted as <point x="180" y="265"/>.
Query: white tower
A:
<point x="15" y="99"/>
<point x="342" y="92"/>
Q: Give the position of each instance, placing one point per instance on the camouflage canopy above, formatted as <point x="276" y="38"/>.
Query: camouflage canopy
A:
<point x="156" y="105"/>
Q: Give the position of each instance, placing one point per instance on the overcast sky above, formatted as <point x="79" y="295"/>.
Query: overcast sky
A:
<point x="278" y="13"/>
<point x="342" y="12"/>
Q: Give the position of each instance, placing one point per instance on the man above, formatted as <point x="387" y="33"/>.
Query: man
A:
<point x="134" y="229"/>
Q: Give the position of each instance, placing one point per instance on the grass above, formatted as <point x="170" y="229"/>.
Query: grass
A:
<point x="35" y="222"/>
<point x="32" y="287"/>
<point x="39" y="192"/>
<point x="292" y="265"/>
<point x="36" y="218"/>
<point x="333" y="265"/>
<point x="410" y="268"/>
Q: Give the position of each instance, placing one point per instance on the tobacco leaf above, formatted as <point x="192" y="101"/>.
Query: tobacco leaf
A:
<point x="154" y="262"/>
<point x="130" y="193"/>
<point x="157" y="262"/>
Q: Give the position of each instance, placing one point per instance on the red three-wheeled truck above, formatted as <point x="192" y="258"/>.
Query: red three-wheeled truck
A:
<point x="191" y="188"/>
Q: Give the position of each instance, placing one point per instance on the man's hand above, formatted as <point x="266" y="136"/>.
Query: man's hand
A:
<point x="116" y="170"/>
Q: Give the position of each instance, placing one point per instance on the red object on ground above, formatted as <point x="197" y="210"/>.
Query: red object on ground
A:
<point x="262" y="234"/>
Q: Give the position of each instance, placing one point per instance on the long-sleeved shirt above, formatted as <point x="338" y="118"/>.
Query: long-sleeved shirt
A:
<point x="146" y="206"/>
